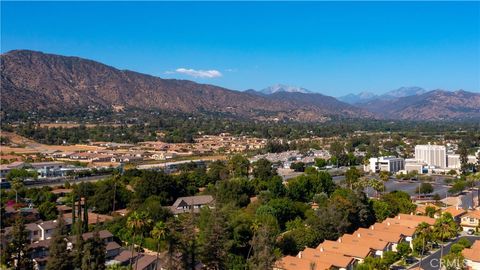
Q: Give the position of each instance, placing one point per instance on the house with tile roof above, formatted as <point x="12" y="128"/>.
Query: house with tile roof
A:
<point x="295" y="263"/>
<point x="359" y="253"/>
<point x="336" y="260"/>
<point x="472" y="256"/>
<point x="471" y="221"/>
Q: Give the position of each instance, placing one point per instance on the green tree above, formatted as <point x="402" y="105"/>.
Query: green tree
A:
<point x="136" y="223"/>
<point x="351" y="176"/>
<point x="77" y="252"/>
<point x="304" y="187"/>
<point x="445" y="227"/>
<point x="463" y="152"/>
<point x="424" y="188"/>
<point x="238" y="166"/>
<point x="263" y="244"/>
<point x="453" y="261"/>
<point x="456" y="248"/>
<point x="337" y="149"/>
<point x="17" y="250"/>
<point x="213" y="238"/>
<point x="22" y="174"/>
<point x="320" y="162"/>
<point x="384" y="176"/>
<point x="403" y="249"/>
<point x="217" y="171"/>
<point x="105" y="192"/>
<point x="399" y="202"/>
<point x="59" y="257"/>
<point x="94" y="253"/>
<point x="464" y="242"/>
<point x="263" y="169"/>
<point x="430" y="211"/>
<point x="159" y="233"/>
<point x="153" y="208"/>
<point x="298" y="166"/>
<point x="424" y="235"/>
<point x="17" y="186"/>
<point x="382" y="210"/>
<point x="236" y="191"/>
<point x="48" y="210"/>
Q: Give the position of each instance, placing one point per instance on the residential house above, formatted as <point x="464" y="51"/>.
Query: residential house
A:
<point x="350" y="250"/>
<point x="48" y="227"/>
<point x="379" y="246"/>
<point x="191" y="204"/>
<point x="140" y="261"/>
<point x="470" y="220"/>
<point x="336" y="260"/>
<point x="294" y="263"/>
<point x="394" y="238"/>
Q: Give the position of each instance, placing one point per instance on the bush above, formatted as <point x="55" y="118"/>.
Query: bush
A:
<point x="464" y="242"/>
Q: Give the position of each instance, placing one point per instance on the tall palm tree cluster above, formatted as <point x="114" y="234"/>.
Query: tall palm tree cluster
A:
<point x="444" y="228"/>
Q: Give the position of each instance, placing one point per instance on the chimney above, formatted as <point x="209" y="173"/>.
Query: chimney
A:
<point x="339" y="240"/>
<point x="372" y="227"/>
<point x="388" y="223"/>
<point x="321" y="249"/>
<point x="358" y="235"/>
<point x="300" y="254"/>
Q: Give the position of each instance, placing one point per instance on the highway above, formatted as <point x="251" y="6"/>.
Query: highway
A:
<point x="61" y="181"/>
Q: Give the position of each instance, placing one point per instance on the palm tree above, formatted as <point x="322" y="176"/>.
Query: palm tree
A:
<point x="136" y="223"/>
<point x="159" y="232"/>
<point x="377" y="185"/>
<point x="254" y="227"/>
<point x="17" y="184"/>
<point x="423" y="232"/>
<point x="445" y="228"/>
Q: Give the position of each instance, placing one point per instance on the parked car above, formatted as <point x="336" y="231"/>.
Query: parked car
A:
<point x="470" y="231"/>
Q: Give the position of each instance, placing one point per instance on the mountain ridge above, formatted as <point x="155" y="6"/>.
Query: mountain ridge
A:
<point x="34" y="81"/>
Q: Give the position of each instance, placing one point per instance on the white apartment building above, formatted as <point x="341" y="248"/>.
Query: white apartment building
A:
<point x="387" y="164"/>
<point x="432" y="155"/>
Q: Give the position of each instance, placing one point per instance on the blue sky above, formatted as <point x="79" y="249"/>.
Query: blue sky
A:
<point x="330" y="47"/>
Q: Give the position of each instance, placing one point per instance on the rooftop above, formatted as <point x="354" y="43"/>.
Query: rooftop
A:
<point x="472" y="253"/>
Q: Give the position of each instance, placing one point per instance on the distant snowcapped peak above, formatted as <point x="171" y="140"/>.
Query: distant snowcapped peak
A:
<point x="284" y="88"/>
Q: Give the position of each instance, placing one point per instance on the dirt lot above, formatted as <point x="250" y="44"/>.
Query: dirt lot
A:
<point x="30" y="146"/>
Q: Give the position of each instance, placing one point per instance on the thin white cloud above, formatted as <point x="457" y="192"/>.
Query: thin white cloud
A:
<point x="199" y="73"/>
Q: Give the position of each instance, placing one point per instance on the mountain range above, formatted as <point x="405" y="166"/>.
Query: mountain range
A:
<point x="35" y="81"/>
<point x="364" y="97"/>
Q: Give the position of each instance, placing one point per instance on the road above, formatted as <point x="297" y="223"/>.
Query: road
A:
<point x="61" y="181"/>
<point x="432" y="261"/>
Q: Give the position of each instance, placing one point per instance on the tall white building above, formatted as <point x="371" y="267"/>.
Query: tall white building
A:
<point x="432" y="155"/>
